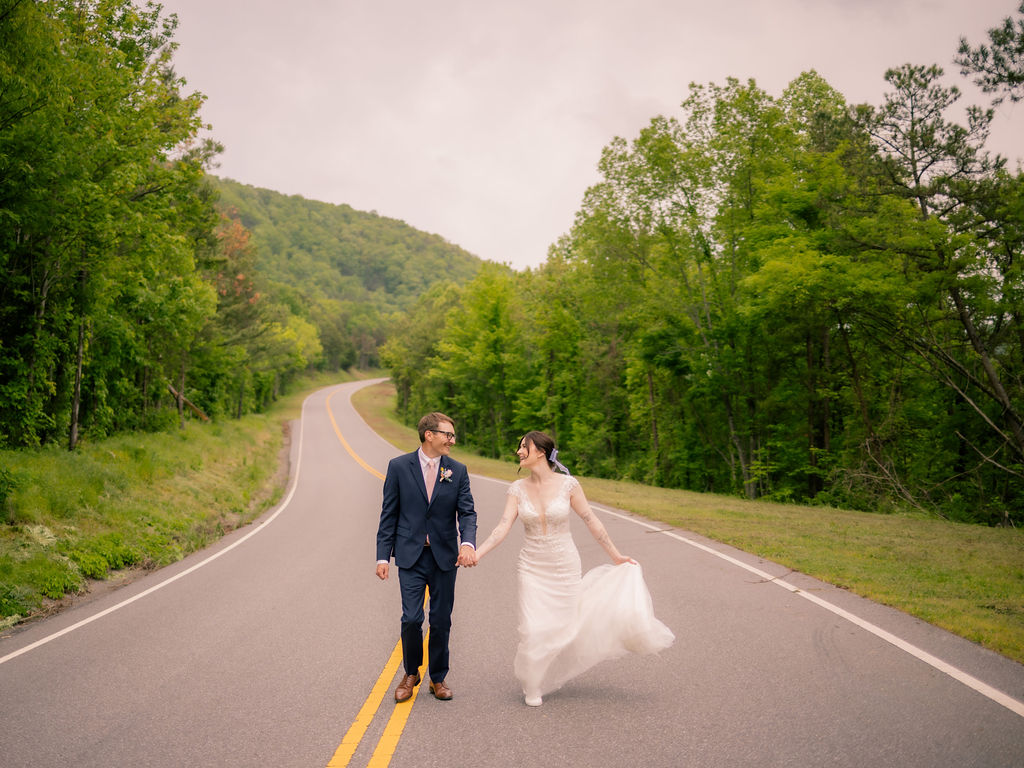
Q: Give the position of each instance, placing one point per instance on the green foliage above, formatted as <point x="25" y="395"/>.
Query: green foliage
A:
<point x="99" y="554"/>
<point x="998" y="67"/>
<point x="7" y="485"/>
<point x="99" y="169"/>
<point x="787" y="299"/>
<point x="344" y="271"/>
<point x="25" y="581"/>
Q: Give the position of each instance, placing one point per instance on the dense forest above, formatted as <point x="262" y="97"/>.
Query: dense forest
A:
<point x="785" y="297"/>
<point x="139" y="290"/>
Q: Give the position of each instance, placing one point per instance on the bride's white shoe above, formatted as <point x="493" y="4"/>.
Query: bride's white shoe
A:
<point x="534" y="701"/>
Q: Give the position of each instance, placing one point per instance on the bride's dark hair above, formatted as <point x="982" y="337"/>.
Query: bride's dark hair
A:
<point x="543" y="441"/>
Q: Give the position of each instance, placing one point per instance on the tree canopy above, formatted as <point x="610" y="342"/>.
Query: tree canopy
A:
<point x="998" y="66"/>
<point x="782" y="297"/>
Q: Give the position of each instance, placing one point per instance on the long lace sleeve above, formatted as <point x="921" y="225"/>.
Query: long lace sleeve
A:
<point x="504" y="525"/>
<point x="594" y="525"/>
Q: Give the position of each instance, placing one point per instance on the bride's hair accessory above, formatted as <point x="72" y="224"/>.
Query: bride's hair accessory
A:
<point x="554" y="460"/>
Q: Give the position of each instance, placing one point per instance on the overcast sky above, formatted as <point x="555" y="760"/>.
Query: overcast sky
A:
<point x="484" y="121"/>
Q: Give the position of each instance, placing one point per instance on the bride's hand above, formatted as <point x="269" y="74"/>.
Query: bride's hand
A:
<point x="623" y="559"/>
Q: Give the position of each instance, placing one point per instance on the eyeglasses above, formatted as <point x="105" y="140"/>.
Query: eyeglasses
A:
<point x="449" y="435"/>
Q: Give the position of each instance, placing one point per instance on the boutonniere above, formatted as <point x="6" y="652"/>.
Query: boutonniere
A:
<point x="446" y="474"/>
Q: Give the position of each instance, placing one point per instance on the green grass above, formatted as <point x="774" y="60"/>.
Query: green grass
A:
<point x="137" y="501"/>
<point x="966" y="579"/>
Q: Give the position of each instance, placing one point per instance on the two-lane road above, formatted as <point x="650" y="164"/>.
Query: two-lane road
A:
<point x="272" y="648"/>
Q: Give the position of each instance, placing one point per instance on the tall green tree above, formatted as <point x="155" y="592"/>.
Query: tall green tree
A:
<point x="97" y="159"/>
<point x="998" y="67"/>
<point x="477" y="363"/>
<point x="411" y="349"/>
<point x="966" y="292"/>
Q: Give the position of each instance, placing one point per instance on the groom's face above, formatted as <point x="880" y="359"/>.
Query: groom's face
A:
<point x="437" y="442"/>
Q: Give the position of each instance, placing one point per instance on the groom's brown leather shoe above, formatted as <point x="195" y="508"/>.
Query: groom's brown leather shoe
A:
<point x="405" y="688"/>
<point x="440" y="691"/>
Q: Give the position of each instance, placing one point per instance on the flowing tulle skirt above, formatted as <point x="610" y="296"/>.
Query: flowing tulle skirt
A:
<point x="568" y="624"/>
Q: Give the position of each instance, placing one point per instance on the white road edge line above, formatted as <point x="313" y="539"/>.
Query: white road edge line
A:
<point x="281" y="507"/>
<point x="986" y="690"/>
<point x="957" y="674"/>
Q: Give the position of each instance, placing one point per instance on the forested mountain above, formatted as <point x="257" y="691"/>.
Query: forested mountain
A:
<point x="785" y="297"/>
<point x="348" y="271"/>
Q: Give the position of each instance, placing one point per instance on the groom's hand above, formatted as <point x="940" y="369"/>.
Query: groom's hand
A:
<point x="467" y="556"/>
<point x="382" y="571"/>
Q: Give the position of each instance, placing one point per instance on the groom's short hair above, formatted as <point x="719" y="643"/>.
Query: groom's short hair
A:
<point x="431" y="422"/>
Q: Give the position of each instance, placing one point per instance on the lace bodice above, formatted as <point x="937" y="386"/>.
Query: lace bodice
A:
<point x="549" y="517"/>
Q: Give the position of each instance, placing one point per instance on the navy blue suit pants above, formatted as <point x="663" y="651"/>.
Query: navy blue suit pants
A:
<point x="414" y="583"/>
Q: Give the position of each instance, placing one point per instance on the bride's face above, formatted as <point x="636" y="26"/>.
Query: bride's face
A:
<point x="528" y="454"/>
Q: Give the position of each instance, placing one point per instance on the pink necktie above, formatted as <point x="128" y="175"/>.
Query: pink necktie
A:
<point x="431" y="477"/>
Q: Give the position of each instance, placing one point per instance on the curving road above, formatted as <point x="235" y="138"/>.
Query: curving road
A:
<point x="276" y="648"/>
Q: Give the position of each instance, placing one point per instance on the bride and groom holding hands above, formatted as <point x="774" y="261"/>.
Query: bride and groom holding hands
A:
<point x="568" y="622"/>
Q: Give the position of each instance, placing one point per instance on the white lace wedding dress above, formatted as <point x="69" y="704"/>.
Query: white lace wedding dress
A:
<point x="567" y="624"/>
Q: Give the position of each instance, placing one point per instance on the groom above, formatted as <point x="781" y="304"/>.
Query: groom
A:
<point x="427" y="508"/>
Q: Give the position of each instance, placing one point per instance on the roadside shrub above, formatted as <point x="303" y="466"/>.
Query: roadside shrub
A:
<point x="7" y="485"/>
<point x="95" y="557"/>
<point x="40" y="574"/>
<point x="14" y="601"/>
<point x="89" y="564"/>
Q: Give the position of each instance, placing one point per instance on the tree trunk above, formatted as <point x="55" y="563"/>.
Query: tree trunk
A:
<point x="185" y="401"/>
<point x="858" y="389"/>
<point x="826" y="416"/>
<point x="1012" y="417"/>
<point x="77" y="395"/>
<point x="181" y="396"/>
<point x="145" y="393"/>
<point x="818" y="410"/>
<point x="654" y="427"/>
<point x="812" y="417"/>
<point x="749" y="484"/>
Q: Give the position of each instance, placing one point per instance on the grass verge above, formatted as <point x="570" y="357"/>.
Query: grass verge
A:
<point x="966" y="579"/>
<point x="70" y="521"/>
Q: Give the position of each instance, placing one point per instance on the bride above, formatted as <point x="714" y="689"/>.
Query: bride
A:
<point x="567" y="624"/>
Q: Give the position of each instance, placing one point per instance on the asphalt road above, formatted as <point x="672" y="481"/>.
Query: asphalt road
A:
<point x="275" y="648"/>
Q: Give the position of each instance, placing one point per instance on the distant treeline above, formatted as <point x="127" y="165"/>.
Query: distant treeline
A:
<point x="130" y="297"/>
<point x="786" y="298"/>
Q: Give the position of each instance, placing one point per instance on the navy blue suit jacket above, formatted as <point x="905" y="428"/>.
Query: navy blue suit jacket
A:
<point x="406" y="519"/>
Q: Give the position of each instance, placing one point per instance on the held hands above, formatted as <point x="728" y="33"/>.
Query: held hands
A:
<point x="467" y="556"/>
<point x="467" y="559"/>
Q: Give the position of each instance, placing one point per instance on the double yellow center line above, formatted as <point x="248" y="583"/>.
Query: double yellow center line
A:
<point x="388" y="742"/>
